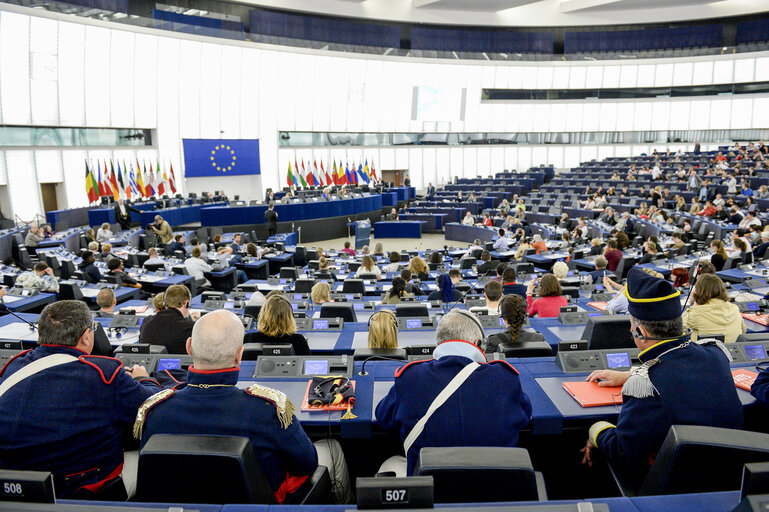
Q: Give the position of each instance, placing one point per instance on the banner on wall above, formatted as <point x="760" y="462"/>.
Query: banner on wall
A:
<point x="220" y="157"/>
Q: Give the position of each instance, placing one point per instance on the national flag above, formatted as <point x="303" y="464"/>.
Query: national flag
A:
<point x="172" y="180"/>
<point x="140" y="179"/>
<point x="120" y="181"/>
<point x="334" y="174"/>
<point x="328" y="178"/>
<point x="341" y="177"/>
<point x="301" y="177"/>
<point x="347" y="175"/>
<point x="365" y="170"/>
<point x="316" y="173"/>
<point x="297" y="172"/>
<point x="91" y="188"/>
<point x="99" y="184"/>
<point x="161" y="180"/>
<point x="290" y="176"/>
<point x="148" y="187"/>
<point x="373" y="171"/>
<point x="107" y="188"/>
<point x="127" y="179"/>
<point x="363" y="175"/>
<point x="134" y="185"/>
<point x="113" y="181"/>
<point x="310" y="176"/>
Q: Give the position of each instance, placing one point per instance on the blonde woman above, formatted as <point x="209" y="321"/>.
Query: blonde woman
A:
<point x="276" y="324"/>
<point x="418" y="268"/>
<point x="560" y="270"/>
<point x="367" y="266"/>
<point x="383" y="330"/>
<point x="321" y="293"/>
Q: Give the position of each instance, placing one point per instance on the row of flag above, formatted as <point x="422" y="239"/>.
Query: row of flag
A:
<point x="128" y="181"/>
<point x="341" y="175"/>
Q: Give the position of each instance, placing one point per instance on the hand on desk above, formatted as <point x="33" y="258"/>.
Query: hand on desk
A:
<point x="137" y="370"/>
<point x="587" y="457"/>
<point x="608" y="377"/>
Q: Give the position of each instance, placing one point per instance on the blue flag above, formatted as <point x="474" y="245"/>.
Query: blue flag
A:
<point x="220" y="157"/>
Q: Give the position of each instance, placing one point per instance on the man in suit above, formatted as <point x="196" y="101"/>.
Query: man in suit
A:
<point x="123" y="213"/>
<point x="489" y="266"/>
<point x="271" y="218"/>
<point x="430" y="190"/>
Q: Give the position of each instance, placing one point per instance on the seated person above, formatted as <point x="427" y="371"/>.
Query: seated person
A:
<point x="178" y="245"/>
<point x="34" y="236"/>
<point x="712" y="313"/>
<point x="323" y="270"/>
<point x="560" y="270"/>
<point x="397" y="292"/>
<point x="489" y="266"/>
<point x="500" y="271"/>
<point x="595" y="247"/>
<point x="760" y="251"/>
<point x="39" y="278"/>
<point x="153" y="258"/>
<point x="446" y="291"/>
<point x="486" y="221"/>
<point x="612" y="254"/>
<point x="85" y="413"/>
<point x="211" y="404"/>
<point x="394" y="265"/>
<point x="509" y="286"/>
<point x="668" y="388"/>
<point x="649" y="251"/>
<point x="492" y="292"/>
<point x="512" y="310"/>
<point x="320" y="293"/>
<point x="383" y="330"/>
<point x="276" y="324"/>
<point x="90" y="272"/>
<point x="463" y="419"/>
<point x="172" y="325"/>
<point x="418" y="268"/>
<point x="468" y="219"/>
<point x="106" y="252"/>
<point x="393" y="215"/>
<point x="115" y="266"/>
<point x="348" y="249"/>
<point x="600" y="269"/>
<point x="197" y="267"/>
<point x="550" y="300"/>
<point x="411" y="288"/>
<point x="106" y="301"/>
<point x="436" y="260"/>
<point x="367" y="266"/>
<point x="538" y="244"/>
<point x="104" y="233"/>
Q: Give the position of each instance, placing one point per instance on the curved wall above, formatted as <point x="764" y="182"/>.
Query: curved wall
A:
<point x="58" y="70"/>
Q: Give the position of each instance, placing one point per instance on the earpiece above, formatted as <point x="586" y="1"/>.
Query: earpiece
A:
<point x="386" y="312"/>
<point x="482" y="340"/>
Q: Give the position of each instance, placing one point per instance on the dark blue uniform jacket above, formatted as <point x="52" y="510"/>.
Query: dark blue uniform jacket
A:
<point x="472" y="416"/>
<point x="694" y="387"/>
<point x="69" y="419"/>
<point x="760" y="388"/>
<point x="230" y="411"/>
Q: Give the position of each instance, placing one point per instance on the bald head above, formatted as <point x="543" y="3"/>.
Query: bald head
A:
<point x="217" y="341"/>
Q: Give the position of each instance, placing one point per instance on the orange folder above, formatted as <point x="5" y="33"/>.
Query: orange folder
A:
<point x="759" y="319"/>
<point x="590" y="394"/>
<point x="598" y="305"/>
<point x="744" y="379"/>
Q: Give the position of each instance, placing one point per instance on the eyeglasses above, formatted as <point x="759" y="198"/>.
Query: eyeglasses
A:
<point x="92" y="327"/>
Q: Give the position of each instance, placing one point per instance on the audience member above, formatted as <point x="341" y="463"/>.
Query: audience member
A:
<point x="446" y="292"/>
<point x="172" y="324"/>
<point x="383" y="330"/>
<point x="90" y="272"/>
<point x="277" y="326"/>
<point x="712" y="313"/>
<point x="40" y="278"/>
<point x="33" y="237"/>
<point x="320" y="293"/>
<point x="106" y="301"/>
<point x="492" y="292"/>
<point x="512" y="310"/>
<point x="115" y="267"/>
<point x="397" y="292"/>
<point x="550" y="299"/>
<point x="104" y="233"/>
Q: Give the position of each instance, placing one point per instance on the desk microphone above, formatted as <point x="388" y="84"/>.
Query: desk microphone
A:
<point x="31" y="325"/>
<point x="363" y="371"/>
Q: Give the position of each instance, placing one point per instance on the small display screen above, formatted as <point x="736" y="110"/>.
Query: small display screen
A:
<point x="349" y="296"/>
<point x="594" y="314"/>
<point x="752" y="306"/>
<point x="619" y="360"/>
<point x="298" y="296"/>
<point x="599" y="287"/>
<point x="316" y="367"/>
<point x="755" y="352"/>
<point x="320" y="324"/>
<point x="169" y="364"/>
<point x="282" y="281"/>
<point x="358" y="305"/>
<point x="501" y="322"/>
<point x="294" y="306"/>
<point x="413" y="323"/>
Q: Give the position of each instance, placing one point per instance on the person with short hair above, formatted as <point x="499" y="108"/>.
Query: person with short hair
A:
<point x="69" y="418"/>
<point x="153" y="258"/>
<point x="600" y="269"/>
<point x="538" y="244"/>
<point x="104" y="233"/>
<point x="276" y="324"/>
<point x="712" y="313"/>
<point x="197" y="267"/>
<point x="212" y="404"/>
<point x="320" y="293"/>
<point x="348" y="249"/>
<point x="560" y="270"/>
<point x="40" y="278"/>
<point x="394" y="265"/>
<point x="33" y="236"/>
<point x="178" y="245"/>
<point x="463" y="419"/>
<point x="235" y="245"/>
<point x="612" y="254"/>
<point x="492" y="292"/>
<point x="106" y="301"/>
<point x="680" y="382"/>
<point x="123" y="213"/>
<point x="163" y="229"/>
<point x="115" y="267"/>
<point x="91" y="273"/>
<point x="550" y="300"/>
<point x="501" y="244"/>
<point x="509" y="286"/>
<point x="172" y="325"/>
<point x="383" y="330"/>
<point x="489" y="265"/>
<point x="512" y="309"/>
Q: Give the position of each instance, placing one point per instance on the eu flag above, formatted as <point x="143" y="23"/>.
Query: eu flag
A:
<point x="220" y="157"/>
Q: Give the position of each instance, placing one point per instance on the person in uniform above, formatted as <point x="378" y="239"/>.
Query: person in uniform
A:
<point x="123" y="213"/>
<point x="271" y="218"/>
<point x="209" y="403"/>
<point x="65" y="411"/>
<point x="680" y="382"/>
<point x="471" y="416"/>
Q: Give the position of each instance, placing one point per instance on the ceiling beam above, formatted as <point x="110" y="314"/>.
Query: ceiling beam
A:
<point x="578" y="5"/>
<point x="421" y="3"/>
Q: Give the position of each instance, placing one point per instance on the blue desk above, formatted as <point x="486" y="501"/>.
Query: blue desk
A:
<point x="69" y="239"/>
<point x="29" y="303"/>
<point x="150" y="282"/>
<point x="240" y="215"/>
<point x="459" y="233"/>
<point x="73" y="217"/>
<point x="255" y="269"/>
<point x="178" y="216"/>
<point x="99" y="216"/>
<point x="122" y="294"/>
<point x="389" y="199"/>
<point x="398" y="229"/>
<point x="433" y="221"/>
<point x="288" y="239"/>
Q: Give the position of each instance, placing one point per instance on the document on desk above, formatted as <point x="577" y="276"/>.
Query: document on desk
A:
<point x="744" y="379"/>
<point x="11" y="298"/>
<point x="18" y="331"/>
<point x="151" y="279"/>
<point x="590" y="394"/>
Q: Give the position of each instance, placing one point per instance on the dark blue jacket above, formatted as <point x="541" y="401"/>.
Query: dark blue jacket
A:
<point x="597" y="275"/>
<point x="230" y="411"/>
<point x="514" y="289"/>
<point x="760" y="251"/>
<point x="694" y="387"/>
<point x="69" y="419"/>
<point x="760" y="388"/>
<point x="472" y="416"/>
<point x="92" y="274"/>
<point x="177" y="246"/>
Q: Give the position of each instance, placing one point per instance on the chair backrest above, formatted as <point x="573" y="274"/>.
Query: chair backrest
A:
<point x="412" y="310"/>
<point x="67" y="269"/>
<point x="112" y="279"/>
<point x="467" y="263"/>
<point x="526" y="349"/>
<point x="684" y="463"/>
<point x="731" y="262"/>
<point x="304" y="285"/>
<point x="300" y="256"/>
<point x="289" y="273"/>
<point x="154" y="266"/>
<point x="70" y="291"/>
<point x="353" y="286"/>
<point x="200" y="469"/>
<point x="343" y="310"/>
<point x="504" y="474"/>
<point x="361" y="354"/>
<point x="608" y="332"/>
<point x="252" y="310"/>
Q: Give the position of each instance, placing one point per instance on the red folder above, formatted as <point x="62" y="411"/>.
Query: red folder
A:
<point x="759" y="319"/>
<point x="744" y="379"/>
<point x="590" y="394"/>
<point x="598" y="305"/>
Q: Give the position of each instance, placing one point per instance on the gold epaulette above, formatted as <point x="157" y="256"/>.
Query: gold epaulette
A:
<point x="141" y="414"/>
<point x="283" y="405"/>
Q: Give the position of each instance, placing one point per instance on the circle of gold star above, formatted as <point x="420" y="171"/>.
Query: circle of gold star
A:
<point x="226" y="153"/>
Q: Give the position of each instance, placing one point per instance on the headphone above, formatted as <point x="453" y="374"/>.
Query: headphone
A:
<point x="482" y="340"/>
<point x="389" y="315"/>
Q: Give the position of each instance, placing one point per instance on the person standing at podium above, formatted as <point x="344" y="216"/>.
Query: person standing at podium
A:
<point x="123" y="214"/>
<point x="271" y="218"/>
